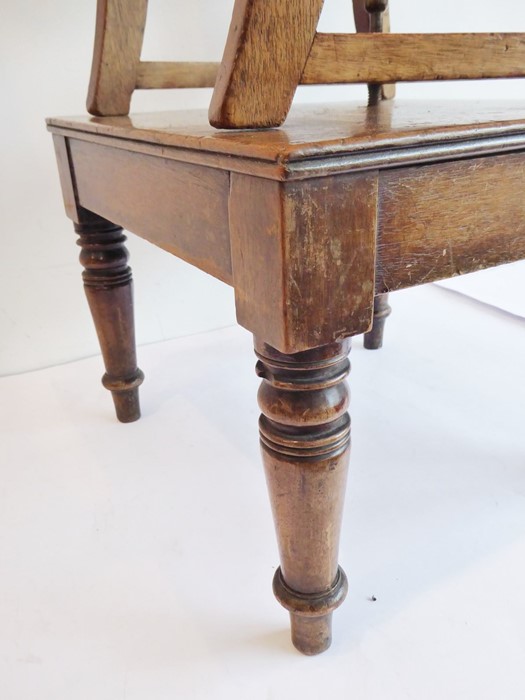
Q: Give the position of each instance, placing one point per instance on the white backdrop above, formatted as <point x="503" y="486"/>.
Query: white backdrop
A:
<point x="45" y="57"/>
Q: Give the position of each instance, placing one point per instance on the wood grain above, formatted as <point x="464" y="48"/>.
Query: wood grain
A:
<point x="389" y="58"/>
<point x="116" y="55"/>
<point x="445" y="220"/>
<point x="180" y="207"/>
<point x="265" y="54"/>
<point x="303" y="257"/>
<point x="158" y="75"/>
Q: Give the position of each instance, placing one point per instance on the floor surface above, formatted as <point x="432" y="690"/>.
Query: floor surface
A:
<point x="136" y="560"/>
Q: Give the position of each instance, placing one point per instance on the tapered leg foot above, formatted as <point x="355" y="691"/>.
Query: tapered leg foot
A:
<point x="382" y="310"/>
<point x="305" y="440"/>
<point x="125" y="394"/>
<point x="311" y="613"/>
<point x="109" y="290"/>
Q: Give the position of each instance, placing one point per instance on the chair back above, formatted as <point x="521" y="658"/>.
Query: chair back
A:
<point x="273" y="46"/>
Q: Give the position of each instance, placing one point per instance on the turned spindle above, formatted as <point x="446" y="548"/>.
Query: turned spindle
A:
<point x="305" y="441"/>
<point x="109" y="290"/>
<point x="376" y="10"/>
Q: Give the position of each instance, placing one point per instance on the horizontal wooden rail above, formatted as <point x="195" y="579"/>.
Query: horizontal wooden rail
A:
<point x="159" y="75"/>
<point x="373" y="58"/>
<point x="389" y="58"/>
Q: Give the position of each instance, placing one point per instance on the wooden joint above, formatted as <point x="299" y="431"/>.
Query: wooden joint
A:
<point x="322" y="272"/>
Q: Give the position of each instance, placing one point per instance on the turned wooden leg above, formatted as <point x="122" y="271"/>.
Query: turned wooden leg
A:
<point x="305" y="439"/>
<point x="382" y="310"/>
<point x="109" y="291"/>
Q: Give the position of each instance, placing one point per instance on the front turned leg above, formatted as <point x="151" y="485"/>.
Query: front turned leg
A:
<point x="109" y="291"/>
<point x="305" y="440"/>
<point x="382" y="310"/>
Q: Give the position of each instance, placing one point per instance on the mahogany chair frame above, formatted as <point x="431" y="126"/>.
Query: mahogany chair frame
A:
<point x="256" y="208"/>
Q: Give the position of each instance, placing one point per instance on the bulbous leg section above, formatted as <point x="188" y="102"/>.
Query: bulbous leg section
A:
<point x="382" y="310"/>
<point x="109" y="290"/>
<point x="305" y="440"/>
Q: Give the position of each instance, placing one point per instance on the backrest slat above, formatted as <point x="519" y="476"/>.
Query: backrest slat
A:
<point x="268" y="44"/>
<point x="380" y="58"/>
<point x="118" y="42"/>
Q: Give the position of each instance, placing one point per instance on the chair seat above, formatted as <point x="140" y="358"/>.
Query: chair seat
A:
<point x="389" y="197"/>
<point x="404" y="129"/>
